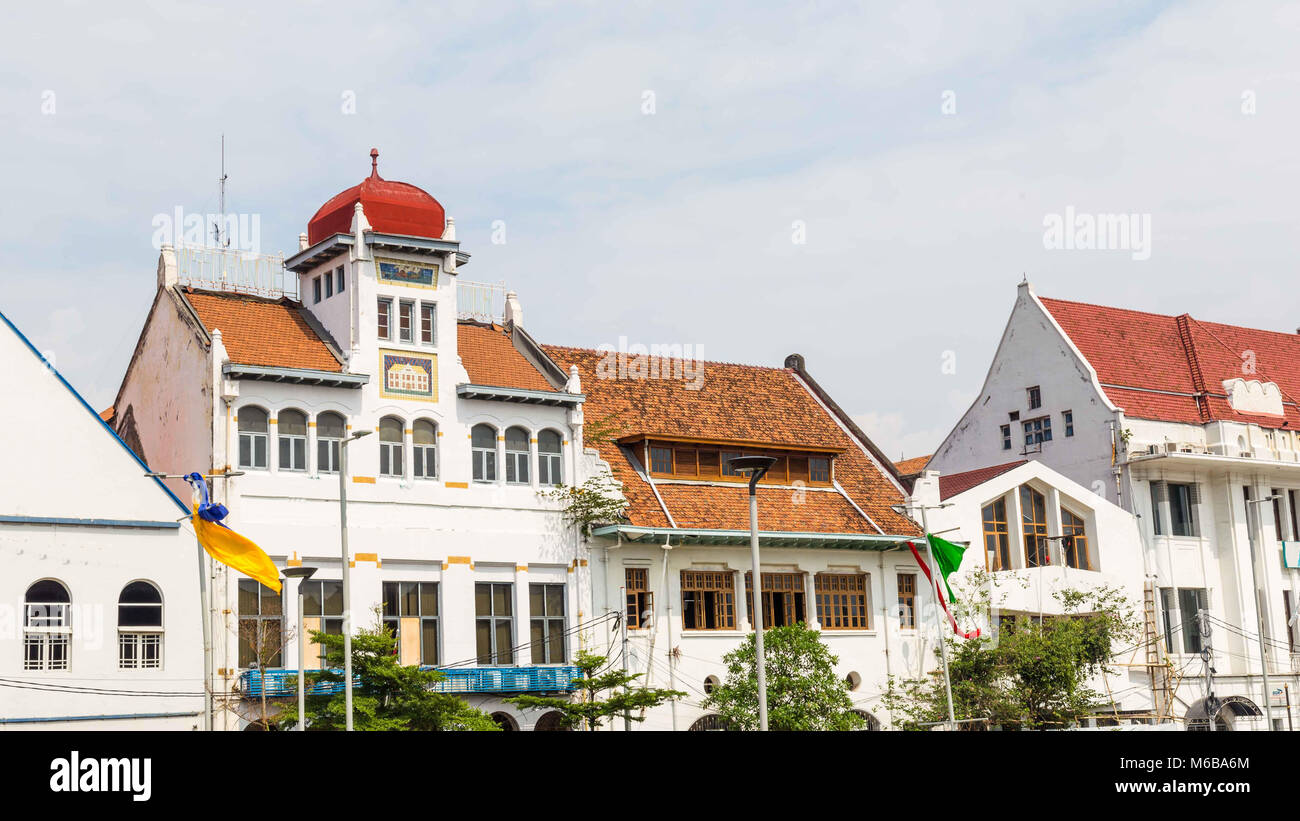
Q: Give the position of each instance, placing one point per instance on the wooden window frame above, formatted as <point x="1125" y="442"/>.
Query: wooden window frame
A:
<point x="1076" y="546"/>
<point x="907" y="601"/>
<point x="843" y="600"/>
<point x="395" y="611"/>
<point x="384" y="319"/>
<point x="708" y="462"/>
<point x="636" y="586"/>
<point x="1034" y="529"/>
<point x="783" y="592"/>
<point x="999" y="531"/>
<point x="699" y="584"/>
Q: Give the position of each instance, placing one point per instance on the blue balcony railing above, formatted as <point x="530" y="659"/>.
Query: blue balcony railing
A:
<point x="282" y="682"/>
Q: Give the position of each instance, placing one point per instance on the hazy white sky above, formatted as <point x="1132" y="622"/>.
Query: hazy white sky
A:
<point x="677" y="226"/>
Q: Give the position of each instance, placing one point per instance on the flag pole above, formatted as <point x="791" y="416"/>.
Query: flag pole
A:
<point x="205" y="601"/>
<point x="943" y="644"/>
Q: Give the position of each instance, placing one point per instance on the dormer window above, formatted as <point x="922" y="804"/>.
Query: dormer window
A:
<point x="710" y="462"/>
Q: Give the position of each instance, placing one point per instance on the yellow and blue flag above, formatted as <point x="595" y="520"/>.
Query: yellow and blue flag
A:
<point x="227" y="546"/>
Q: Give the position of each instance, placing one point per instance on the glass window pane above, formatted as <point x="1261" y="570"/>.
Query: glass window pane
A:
<point x="333" y="595"/>
<point x="555" y="651"/>
<point x="483" y="599"/>
<point x="329" y="425"/>
<point x="311" y="598"/>
<point x="248" y="597"/>
<point x="259" y="451"/>
<point x="270" y="601"/>
<point x="144" y="615"/>
<point x="484" y="436"/>
<point x="537" y="637"/>
<point x="292" y="423"/>
<point x="517" y="439"/>
<point x="390" y="429"/>
<point x="429" y="641"/>
<point x="429" y="599"/>
<point x="140" y="593"/>
<point x="501" y="599"/>
<point x="548" y="441"/>
<point x="536" y="600"/>
<point x="483" y="636"/>
<point x="555" y="600"/>
<point x="505" y="655"/>
<point x="410" y="599"/>
<point x="423" y="433"/>
<point x="252" y="419"/>
<point x="390" y="599"/>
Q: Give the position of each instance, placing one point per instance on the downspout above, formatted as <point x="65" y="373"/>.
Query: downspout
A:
<point x="884" y="614"/>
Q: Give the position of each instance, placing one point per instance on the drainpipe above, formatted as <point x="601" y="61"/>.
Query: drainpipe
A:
<point x="672" y="670"/>
<point x="884" y="613"/>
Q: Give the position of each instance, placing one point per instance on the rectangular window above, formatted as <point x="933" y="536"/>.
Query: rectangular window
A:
<point x="819" y="469"/>
<point x="1183" y="500"/>
<point x="640" y="601"/>
<point x="139" y="651"/>
<point x="1288" y="613"/>
<point x="997" y="536"/>
<point x="1158" y="494"/>
<point x="338" y="278"/>
<point x="1006" y="437"/>
<point x="1037" y="431"/>
<point x="1075" y="542"/>
<point x="1068" y="419"/>
<point x="428" y="323"/>
<point x="1179" y="611"/>
<point x="390" y="459"/>
<point x="842" y="601"/>
<point x="315" y="288"/>
<point x="686" y="463"/>
<point x="322" y="610"/>
<point x="726" y="456"/>
<point x="406" y="321"/>
<point x="329" y="286"/>
<point x="783" y="599"/>
<point x="546" y="618"/>
<point x="253" y="449"/>
<point x="1035" y="398"/>
<point x="384" y="323"/>
<point x="907" y="601"/>
<point x="1277" y="515"/>
<point x="661" y="460"/>
<point x="1033" y="513"/>
<point x="261" y="626"/>
<point x="708" y="600"/>
<point x="411" y="612"/>
<point x="47" y="628"/>
<point x="494" y="622"/>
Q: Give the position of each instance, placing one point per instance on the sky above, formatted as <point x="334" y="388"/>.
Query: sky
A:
<point x="864" y="184"/>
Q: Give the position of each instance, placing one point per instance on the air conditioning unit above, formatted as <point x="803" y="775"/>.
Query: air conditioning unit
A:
<point x="1171" y="447"/>
<point x="1247" y="454"/>
<point x="1153" y="449"/>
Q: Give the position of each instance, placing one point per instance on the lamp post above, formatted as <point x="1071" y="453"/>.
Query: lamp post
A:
<point x="1259" y="608"/>
<point x="302" y="574"/>
<point x="347" y="600"/>
<point x="934" y="590"/>
<point x="755" y="467"/>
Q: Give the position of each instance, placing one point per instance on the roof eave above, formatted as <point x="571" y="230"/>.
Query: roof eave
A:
<point x="300" y="376"/>
<point x="521" y="395"/>
<point x="769" y="538"/>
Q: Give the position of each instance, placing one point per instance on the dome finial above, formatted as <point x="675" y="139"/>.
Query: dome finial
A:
<point x="374" y="162"/>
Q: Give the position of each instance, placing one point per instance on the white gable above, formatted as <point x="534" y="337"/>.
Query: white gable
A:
<point x="60" y="460"/>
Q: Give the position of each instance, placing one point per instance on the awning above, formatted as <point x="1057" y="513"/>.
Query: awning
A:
<point x="766" y="538"/>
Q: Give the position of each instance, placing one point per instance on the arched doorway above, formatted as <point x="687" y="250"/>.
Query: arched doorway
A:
<point x="1225" y="713"/>
<point x="551" y="722"/>
<point x="505" y="721"/>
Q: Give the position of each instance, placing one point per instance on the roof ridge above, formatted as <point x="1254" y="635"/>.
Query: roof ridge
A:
<point x="670" y="359"/>
<point x="1228" y="348"/>
<point x="1194" y="364"/>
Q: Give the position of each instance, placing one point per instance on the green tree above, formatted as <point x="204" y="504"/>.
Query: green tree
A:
<point x="1034" y="676"/>
<point x="592" y="711"/>
<point x="803" y="690"/>
<point x="386" y="695"/>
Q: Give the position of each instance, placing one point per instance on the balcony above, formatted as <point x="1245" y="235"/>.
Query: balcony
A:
<point x="281" y="682"/>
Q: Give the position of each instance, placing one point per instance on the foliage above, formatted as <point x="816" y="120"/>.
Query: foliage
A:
<point x="596" y="501"/>
<point x="591" y="712"/>
<point x="1032" y="675"/>
<point x="268" y="640"/>
<point x="803" y="690"/>
<point x="386" y="695"/>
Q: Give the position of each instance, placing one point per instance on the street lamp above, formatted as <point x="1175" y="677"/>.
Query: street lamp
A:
<point x="302" y="574"/>
<point x="347" y="601"/>
<point x="755" y="467"/>
<point x="902" y="510"/>
<point x="1259" y="609"/>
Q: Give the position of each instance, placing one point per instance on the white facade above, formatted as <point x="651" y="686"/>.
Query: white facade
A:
<point x="1203" y="544"/>
<point x="80" y="526"/>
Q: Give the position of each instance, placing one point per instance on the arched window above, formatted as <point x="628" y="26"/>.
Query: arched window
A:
<point x="292" y="436"/>
<point x="505" y="721"/>
<point x="872" y="723"/>
<point x="483" y="441"/>
<point x="139" y="627"/>
<point x="47" y="626"/>
<point x="549" y="464"/>
<point x="712" y="721"/>
<point x="425" y="449"/>
<point x="551" y="722"/>
<point x="517" y="456"/>
<point x="1076" y="541"/>
<point x="252" y="437"/>
<point x="390" y="446"/>
<point x="329" y="433"/>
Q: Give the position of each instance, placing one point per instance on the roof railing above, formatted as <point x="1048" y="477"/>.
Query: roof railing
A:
<point x="481" y="301"/>
<point x="224" y="269"/>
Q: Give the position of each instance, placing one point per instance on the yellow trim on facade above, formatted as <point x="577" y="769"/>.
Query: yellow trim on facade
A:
<point x="461" y="485"/>
<point x="363" y="480"/>
<point x="460" y="560"/>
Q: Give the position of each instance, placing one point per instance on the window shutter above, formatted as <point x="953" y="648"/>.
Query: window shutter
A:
<point x="1194" y="494"/>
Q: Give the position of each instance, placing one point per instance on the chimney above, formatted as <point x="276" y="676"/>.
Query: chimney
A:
<point x="167" y="274"/>
<point x="360" y="225"/>
<point x="302" y="241"/>
<point x="514" y="311"/>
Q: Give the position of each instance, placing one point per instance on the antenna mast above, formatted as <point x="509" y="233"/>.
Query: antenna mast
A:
<point x="219" y="229"/>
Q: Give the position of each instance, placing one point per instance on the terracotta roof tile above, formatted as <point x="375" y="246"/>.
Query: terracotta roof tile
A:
<point x="1137" y="353"/>
<point x="777" y="409"/>
<point x="491" y="358"/>
<point x="908" y="467"/>
<point x="269" y="333"/>
<point x="955" y="483"/>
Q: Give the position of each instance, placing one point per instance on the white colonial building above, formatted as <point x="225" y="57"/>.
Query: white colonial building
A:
<point x="1189" y="425"/>
<point x="453" y="541"/>
<point x="99" y="604"/>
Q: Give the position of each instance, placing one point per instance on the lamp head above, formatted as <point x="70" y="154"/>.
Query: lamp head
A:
<point x="753" y="466"/>
<point x="303" y="573"/>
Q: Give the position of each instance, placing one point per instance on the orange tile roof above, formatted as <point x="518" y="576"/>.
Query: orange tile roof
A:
<point x="907" y="467"/>
<point x="107" y="414"/>
<point x="733" y="403"/>
<point x="1136" y="353"/>
<point x="491" y="358"/>
<point x="269" y="333"/>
